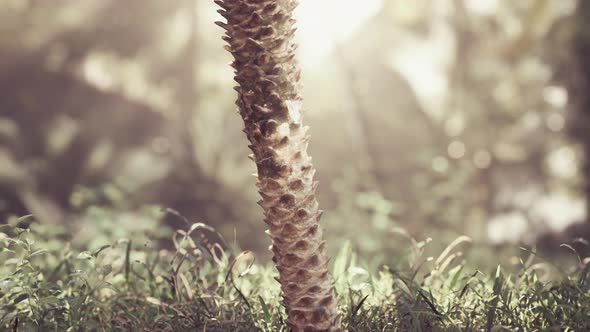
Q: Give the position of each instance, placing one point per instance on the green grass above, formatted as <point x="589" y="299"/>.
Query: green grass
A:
<point x="55" y="280"/>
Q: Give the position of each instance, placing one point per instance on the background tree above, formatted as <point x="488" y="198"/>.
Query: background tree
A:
<point x="580" y="85"/>
<point x="450" y="118"/>
<point x="96" y="99"/>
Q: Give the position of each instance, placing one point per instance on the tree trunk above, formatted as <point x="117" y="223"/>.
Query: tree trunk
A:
<point x="259" y="34"/>
<point x="580" y="120"/>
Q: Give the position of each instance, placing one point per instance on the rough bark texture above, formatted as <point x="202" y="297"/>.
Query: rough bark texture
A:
<point x="259" y="34"/>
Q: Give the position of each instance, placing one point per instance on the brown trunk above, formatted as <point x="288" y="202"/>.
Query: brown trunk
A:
<point x="579" y="85"/>
<point x="259" y="34"/>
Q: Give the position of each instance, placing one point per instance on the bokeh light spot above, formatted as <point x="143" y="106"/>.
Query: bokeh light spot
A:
<point x="555" y="122"/>
<point x="562" y="162"/>
<point x="555" y="96"/>
<point x="482" y="159"/>
<point x="440" y="164"/>
<point x="456" y="150"/>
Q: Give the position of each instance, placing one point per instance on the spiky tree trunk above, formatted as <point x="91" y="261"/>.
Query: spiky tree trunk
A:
<point x="259" y="34"/>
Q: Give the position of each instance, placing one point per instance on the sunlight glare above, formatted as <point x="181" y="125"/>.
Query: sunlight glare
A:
<point x="563" y="162"/>
<point x="555" y="96"/>
<point x="95" y="71"/>
<point x="482" y="7"/>
<point x="508" y="227"/>
<point x="424" y="62"/>
<point x="559" y="210"/>
<point x="323" y="24"/>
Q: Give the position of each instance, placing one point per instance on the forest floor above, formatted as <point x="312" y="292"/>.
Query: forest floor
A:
<point x="50" y="281"/>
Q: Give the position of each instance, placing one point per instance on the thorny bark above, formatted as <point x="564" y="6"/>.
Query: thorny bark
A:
<point x="259" y="34"/>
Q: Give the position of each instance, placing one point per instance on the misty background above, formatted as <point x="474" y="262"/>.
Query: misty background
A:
<point x="429" y="119"/>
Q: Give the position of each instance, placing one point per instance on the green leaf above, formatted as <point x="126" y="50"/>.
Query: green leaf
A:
<point x="491" y="316"/>
<point x="99" y="250"/>
<point x="10" y="261"/>
<point x="20" y="298"/>
<point x="37" y="252"/>
<point x="51" y="300"/>
<point x="25" y="222"/>
<point x="341" y="261"/>
<point x="6" y="228"/>
<point x="456" y="276"/>
<point x="84" y="255"/>
<point x="264" y="309"/>
<point x="127" y="260"/>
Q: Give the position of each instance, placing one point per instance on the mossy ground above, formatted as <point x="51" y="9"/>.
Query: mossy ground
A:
<point x="52" y="281"/>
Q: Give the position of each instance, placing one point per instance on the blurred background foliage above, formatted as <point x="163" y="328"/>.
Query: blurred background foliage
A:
<point x="430" y="119"/>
